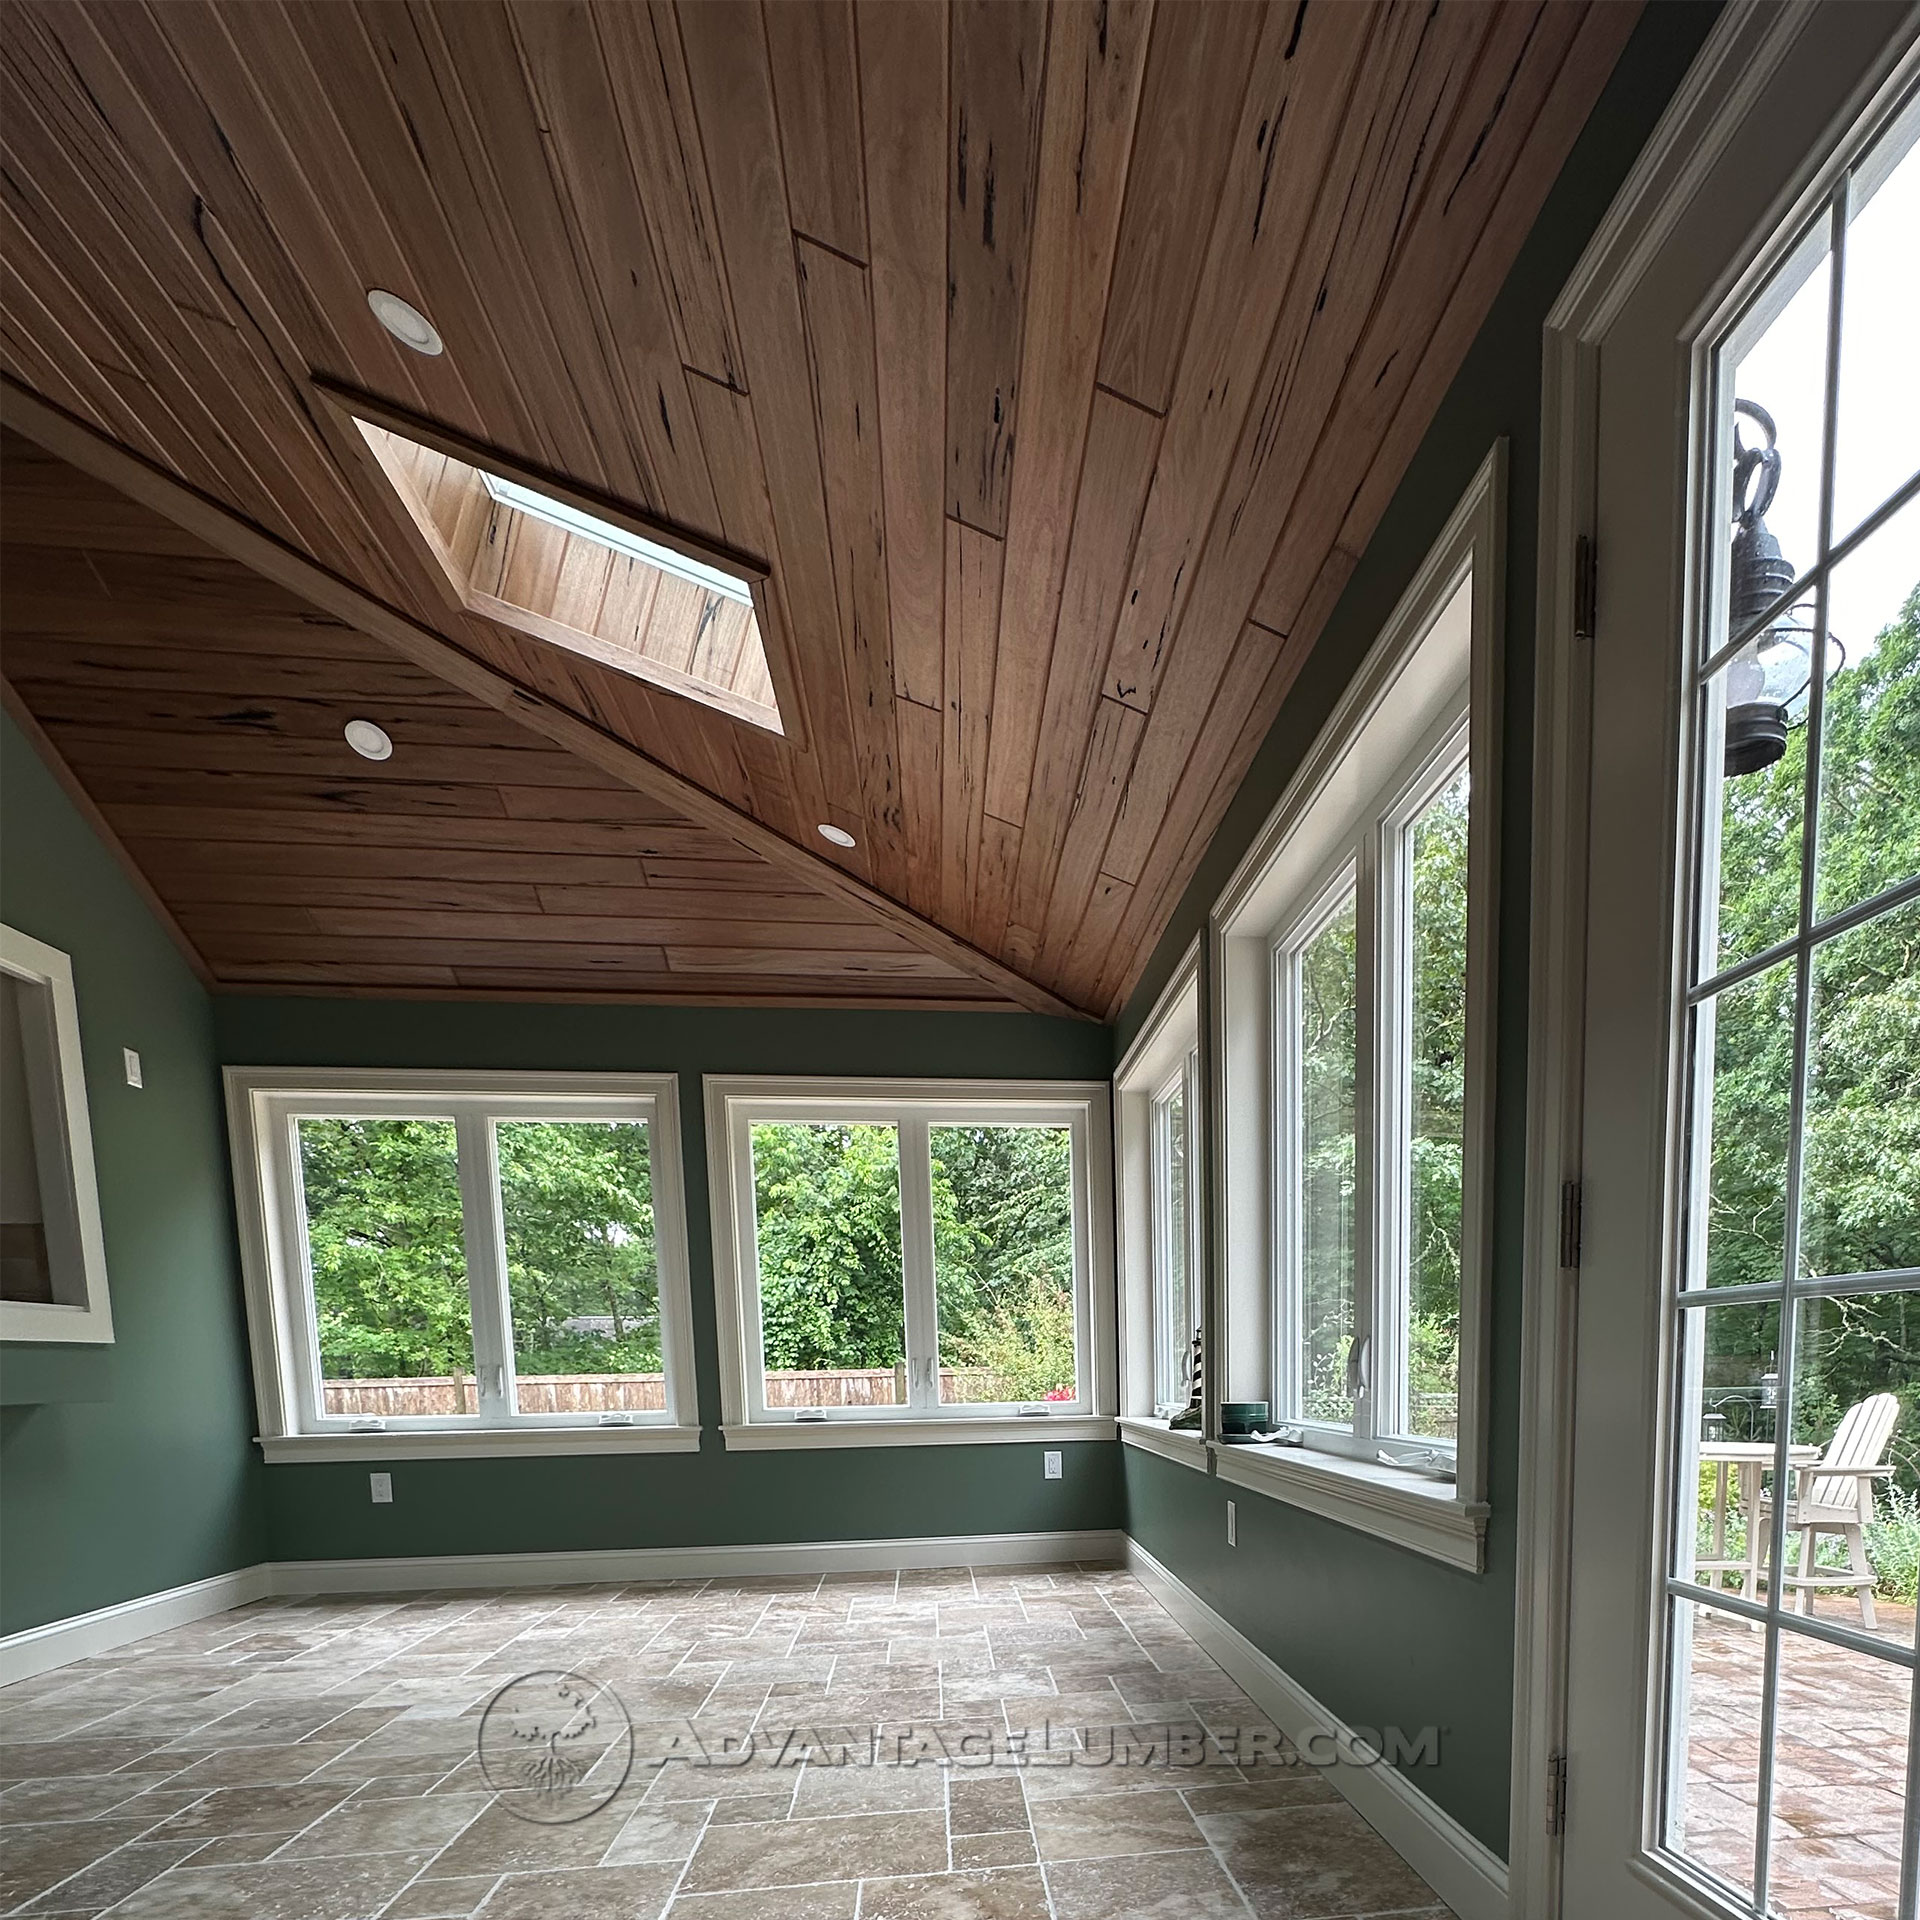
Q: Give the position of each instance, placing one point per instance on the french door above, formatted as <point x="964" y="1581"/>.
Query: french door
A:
<point x="1746" y="1425"/>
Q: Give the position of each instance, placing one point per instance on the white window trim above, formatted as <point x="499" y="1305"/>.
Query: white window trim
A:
<point x="1157" y="1056"/>
<point x="1411" y="691"/>
<point x="732" y="1104"/>
<point x="63" y="1145"/>
<point x="278" y="1297"/>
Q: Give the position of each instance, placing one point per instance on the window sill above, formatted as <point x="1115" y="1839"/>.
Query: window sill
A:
<point x="1154" y="1436"/>
<point x="490" y="1443"/>
<point x="917" y="1433"/>
<point x="1411" y="1509"/>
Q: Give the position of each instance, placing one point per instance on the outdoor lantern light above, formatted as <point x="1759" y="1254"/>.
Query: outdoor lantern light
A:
<point x="1775" y="667"/>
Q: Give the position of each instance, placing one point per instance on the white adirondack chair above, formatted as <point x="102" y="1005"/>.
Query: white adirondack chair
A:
<point x="1835" y="1496"/>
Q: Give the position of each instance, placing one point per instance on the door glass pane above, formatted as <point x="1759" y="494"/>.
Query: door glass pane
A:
<point x="1173" y="1326"/>
<point x="1724" y="1440"/>
<point x="1743" y="1042"/>
<point x="389" y="1261"/>
<point x="1003" y="1263"/>
<point x="827" y="1237"/>
<point x="1860" y="1196"/>
<point x="1839" y="1782"/>
<point x="1752" y="817"/>
<point x="1436" y="855"/>
<point x="1782" y="374"/>
<point x="1879" y="371"/>
<point x="1870" y="756"/>
<point x="576" y="1207"/>
<point x="1856" y="1407"/>
<point x="1325" y="1043"/>
<point x="1716" y="1676"/>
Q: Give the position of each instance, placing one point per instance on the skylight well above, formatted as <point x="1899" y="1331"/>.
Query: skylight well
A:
<point x="521" y="556"/>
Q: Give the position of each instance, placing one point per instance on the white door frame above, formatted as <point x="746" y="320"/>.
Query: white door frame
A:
<point x="1749" y="44"/>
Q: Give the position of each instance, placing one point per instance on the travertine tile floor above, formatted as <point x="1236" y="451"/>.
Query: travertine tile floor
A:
<point x="317" y="1760"/>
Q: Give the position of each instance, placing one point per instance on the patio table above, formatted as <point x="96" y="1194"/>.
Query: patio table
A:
<point x="1749" y="1459"/>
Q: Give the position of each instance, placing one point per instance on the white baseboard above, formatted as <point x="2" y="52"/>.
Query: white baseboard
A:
<point x="693" y="1563"/>
<point x="1467" y="1875"/>
<point x="40" y="1649"/>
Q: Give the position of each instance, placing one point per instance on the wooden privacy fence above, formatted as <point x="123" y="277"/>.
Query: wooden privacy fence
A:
<point x="644" y="1392"/>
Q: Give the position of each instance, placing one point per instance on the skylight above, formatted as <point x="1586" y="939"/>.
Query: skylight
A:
<point x="556" y="513"/>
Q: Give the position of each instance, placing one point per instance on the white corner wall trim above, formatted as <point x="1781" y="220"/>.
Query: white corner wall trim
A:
<point x="1467" y="1875"/>
<point x="60" y="1642"/>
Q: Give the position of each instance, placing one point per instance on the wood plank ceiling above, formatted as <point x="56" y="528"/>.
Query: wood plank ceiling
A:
<point x="1059" y="361"/>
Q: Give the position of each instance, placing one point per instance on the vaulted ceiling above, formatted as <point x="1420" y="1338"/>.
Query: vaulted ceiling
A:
<point x="1056" y="363"/>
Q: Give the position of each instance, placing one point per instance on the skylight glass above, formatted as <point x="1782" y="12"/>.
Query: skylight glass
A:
<point x="557" y="513"/>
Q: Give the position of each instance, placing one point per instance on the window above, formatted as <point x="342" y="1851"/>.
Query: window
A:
<point x="1162" y="1193"/>
<point x="445" y="1263"/>
<point x="53" y="1268"/>
<point x="1794" y="1302"/>
<point x="905" y="1253"/>
<point x="1353" y="964"/>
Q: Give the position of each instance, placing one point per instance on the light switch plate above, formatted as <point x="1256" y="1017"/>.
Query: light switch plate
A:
<point x="382" y="1485"/>
<point x="1051" y="1461"/>
<point x="132" y="1060"/>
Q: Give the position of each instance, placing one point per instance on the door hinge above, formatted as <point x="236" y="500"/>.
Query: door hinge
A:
<point x="1570" y="1223"/>
<point x="1556" y="1793"/>
<point x="1585" y="588"/>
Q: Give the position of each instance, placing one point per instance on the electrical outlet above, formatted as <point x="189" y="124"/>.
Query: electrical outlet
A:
<point x="132" y="1061"/>
<point x="1051" y="1462"/>
<point x="1232" y="1529"/>
<point x="382" y="1485"/>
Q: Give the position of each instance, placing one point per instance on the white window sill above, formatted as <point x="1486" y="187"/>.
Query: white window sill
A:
<point x="1155" y="1436"/>
<point x="1411" y="1509"/>
<point x="772" y="1434"/>
<point x="479" y="1443"/>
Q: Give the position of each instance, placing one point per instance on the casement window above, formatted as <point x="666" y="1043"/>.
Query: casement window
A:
<point x="1353" y="957"/>
<point x="1162" y="1194"/>
<point x="446" y="1263"/>
<point x="909" y="1259"/>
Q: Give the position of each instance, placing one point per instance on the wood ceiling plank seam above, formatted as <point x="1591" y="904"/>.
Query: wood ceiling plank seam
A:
<point x="647" y="71"/>
<point x="1123" y="443"/>
<point x="732" y="92"/>
<point x="1385" y="156"/>
<point x="424" y="892"/>
<point x="999" y="862"/>
<point x="1199" y="65"/>
<point x="133" y="246"/>
<point x="276" y="147"/>
<point x="1099" y="931"/>
<point x="903" y="54"/>
<point x="817" y="107"/>
<point x="922" y="733"/>
<point x="973" y="606"/>
<point x="839" y="327"/>
<point x="627" y="901"/>
<point x="213" y="867"/>
<point x="291" y="828"/>
<point x="191" y="173"/>
<point x="239" y="540"/>
<point x="562" y="64"/>
<point x="837" y="966"/>
<point x="455" y="247"/>
<point x="1110" y="755"/>
<point x="1298" y="98"/>
<point x="30" y="326"/>
<point x="1095" y="64"/>
<point x="90" y="811"/>
<point x="1442" y="349"/>
<point x="996" y="91"/>
<point x="116" y="786"/>
<point x="371" y="956"/>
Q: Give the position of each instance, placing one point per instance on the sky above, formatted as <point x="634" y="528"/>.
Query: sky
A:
<point x="1877" y="444"/>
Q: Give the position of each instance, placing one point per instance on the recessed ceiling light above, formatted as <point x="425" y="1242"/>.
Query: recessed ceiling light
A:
<point x="839" y="836"/>
<point x="368" y="741"/>
<point x="403" y="320"/>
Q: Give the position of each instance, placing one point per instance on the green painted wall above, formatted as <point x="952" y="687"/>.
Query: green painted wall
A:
<point x="713" y="1497"/>
<point x="1378" y="1634"/>
<point x="136" y="1470"/>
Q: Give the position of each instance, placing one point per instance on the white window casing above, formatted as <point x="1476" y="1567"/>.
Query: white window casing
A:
<point x="735" y="1104"/>
<point x="264" y="1107"/>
